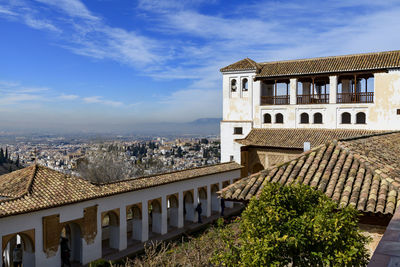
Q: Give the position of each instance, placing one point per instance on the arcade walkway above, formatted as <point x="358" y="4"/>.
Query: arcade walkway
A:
<point x="190" y="227"/>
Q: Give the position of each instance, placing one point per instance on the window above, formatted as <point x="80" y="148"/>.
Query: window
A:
<point x="346" y="118"/>
<point x="267" y="118"/>
<point x="360" y="118"/>
<point x="317" y="118"/>
<point x="279" y="118"/>
<point x="304" y="118"/>
<point x="245" y="84"/>
<point x="231" y="158"/>
<point x="398" y="111"/>
<point x="233" y="85"/>
<point x="237" y="130"/>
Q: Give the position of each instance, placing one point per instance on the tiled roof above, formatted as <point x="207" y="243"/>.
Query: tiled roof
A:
<point x="347" y="63"/>
<point x="244" y="64"/>
<point x="295" y="138"/>
<point x="37" y="187"/>
<point x="16" y="183"/>
<point x="362" y="173"/>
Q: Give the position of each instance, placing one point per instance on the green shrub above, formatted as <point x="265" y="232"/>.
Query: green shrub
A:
<point x="100" y="263"/>
<point x="294" y="225"/>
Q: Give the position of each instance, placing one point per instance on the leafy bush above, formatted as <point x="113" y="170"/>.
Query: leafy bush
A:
<point x="100" y="263"/>
<point x="296" y="226"/>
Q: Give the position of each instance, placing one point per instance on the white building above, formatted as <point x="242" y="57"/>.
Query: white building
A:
<point x="337" y="94"/>
<point x="39" y="205"/>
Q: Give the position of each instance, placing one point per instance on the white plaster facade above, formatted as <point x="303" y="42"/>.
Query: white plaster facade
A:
<point x="244" y="109"/>
<point x="87" y="253"/>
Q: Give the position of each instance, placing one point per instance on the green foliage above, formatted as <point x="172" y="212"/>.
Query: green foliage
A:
<point x="100" y="263"/>
<point x="294" y="225"/>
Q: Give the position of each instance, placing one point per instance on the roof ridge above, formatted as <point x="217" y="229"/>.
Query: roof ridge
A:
<point x="30" y="182"/>
<point x="366" y="136"/>
<point x="327" y="57"/>
<point x="164" y="173"/>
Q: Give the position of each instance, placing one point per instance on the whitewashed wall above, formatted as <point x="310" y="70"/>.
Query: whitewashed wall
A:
<point x="33" y="220"/>
<point x="380" y="115"/>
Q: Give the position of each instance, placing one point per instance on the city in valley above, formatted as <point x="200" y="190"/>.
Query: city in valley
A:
<point x="199" y="133"/>
<point x="142" y="155"/>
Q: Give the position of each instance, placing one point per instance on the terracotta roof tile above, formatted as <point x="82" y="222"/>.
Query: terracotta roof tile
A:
<point x="37" y="187"/>
<point x="357" y="62"/>
<point x="244" y="64"/>
<point x="363" y="172"/>
<point x="295" y="138"/>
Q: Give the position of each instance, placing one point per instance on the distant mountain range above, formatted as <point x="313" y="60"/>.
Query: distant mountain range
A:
<point x="203" y="126"/>
<point x="198" y="127"/>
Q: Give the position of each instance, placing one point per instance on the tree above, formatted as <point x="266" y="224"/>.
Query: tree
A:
<point x="2" y="156"/>
<point x="295" y="226"/>
<point x="204" y="141"/>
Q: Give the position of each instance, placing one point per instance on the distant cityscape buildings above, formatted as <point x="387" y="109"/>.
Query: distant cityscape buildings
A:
<point x="154" y="156"/>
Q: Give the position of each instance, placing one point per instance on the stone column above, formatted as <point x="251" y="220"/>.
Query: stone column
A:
<point x="181" y="218"/>
<point x="195" y="202"/>
<point x="164" y="215"/>
<point x="293" y="92"/>
<point x="122" y="229"/>
<point x="208" y="201"/>
<point x="333" y="84"/>
<point x="145" y="221"/>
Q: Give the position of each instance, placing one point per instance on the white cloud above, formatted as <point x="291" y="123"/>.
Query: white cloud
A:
<point x="68" y="97"/>
<point x="101" y="100"/>
<point x="6" y="11"/>
<point x="73" y="8"/>
<point x="40" y="24"/>
<point x="192" y="45"/>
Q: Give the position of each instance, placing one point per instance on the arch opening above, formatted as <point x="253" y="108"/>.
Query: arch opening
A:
<point x="215" y="202"/>
<point x="203" y="201"/>
<point x="23" y="246"/>
<point x="155" y="217"/>
<point x="188" y="209"/>
<point x="267" y="118"/>
<point x="134" y="223"/>
<point x="245" y="84"/>
<point x="318" y="118"/>
<point x="72" y="235"/>
<point x="110" y="232"/>
<point x="279" y="118"/>
<point x="360" y="118"/>
<point x="233" y="85"/>
<point x="304" y="118"/>
<point x="346" y="118"/>
<point x="172" y="212"/>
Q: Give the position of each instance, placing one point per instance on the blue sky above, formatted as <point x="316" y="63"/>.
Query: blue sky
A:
<point x="101" y="64"/>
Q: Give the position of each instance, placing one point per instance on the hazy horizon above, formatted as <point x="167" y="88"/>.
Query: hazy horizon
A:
<point x="103" y="65"/>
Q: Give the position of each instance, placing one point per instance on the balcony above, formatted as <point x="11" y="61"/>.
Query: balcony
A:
<point x="275" y="100"/>
<point x="360" y="97"/>
<point x="313" y="99"/>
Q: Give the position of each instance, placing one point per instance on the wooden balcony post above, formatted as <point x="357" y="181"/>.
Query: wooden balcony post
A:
<point x="355" y="88"/>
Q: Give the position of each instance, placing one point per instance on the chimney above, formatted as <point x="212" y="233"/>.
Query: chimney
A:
<point x="307" y="146"/>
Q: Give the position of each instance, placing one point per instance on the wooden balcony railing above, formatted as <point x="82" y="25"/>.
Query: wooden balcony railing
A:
<point x="361" y="97"/>
<point x="313" y="99"/>
<point x="275" y="100"/>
